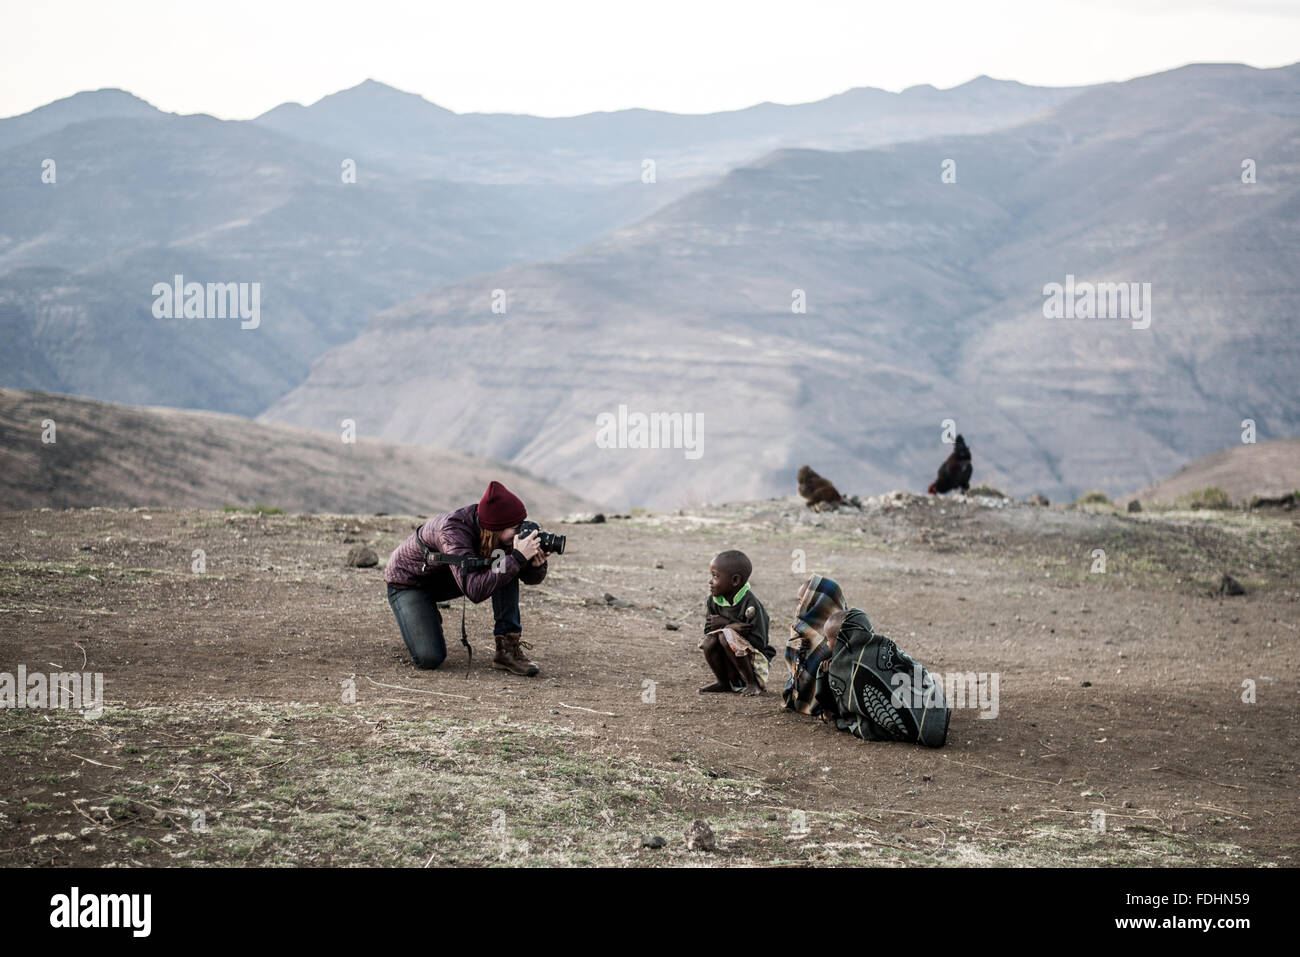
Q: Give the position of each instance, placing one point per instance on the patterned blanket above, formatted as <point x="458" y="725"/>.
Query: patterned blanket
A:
<point x="806" y="648"/>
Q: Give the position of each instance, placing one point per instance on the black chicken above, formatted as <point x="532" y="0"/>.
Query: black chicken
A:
<point x="955" y="472"/>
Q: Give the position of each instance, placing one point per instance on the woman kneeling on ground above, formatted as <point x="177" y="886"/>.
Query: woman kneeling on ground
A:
<point x="486" y="532"/>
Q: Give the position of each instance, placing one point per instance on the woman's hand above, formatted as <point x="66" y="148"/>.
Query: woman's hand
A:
<point x="530" y="546"/>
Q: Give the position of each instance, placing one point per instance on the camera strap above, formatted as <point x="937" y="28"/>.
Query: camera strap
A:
<point x="464" y="639"/>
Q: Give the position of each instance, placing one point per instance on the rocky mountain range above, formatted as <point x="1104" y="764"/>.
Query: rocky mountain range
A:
<point x="822" y="303"/>
<point x="137" y="200"/>
<point x="927" y="300"/>
<point x="408" y="132"/>
<point x="102" y="197"/>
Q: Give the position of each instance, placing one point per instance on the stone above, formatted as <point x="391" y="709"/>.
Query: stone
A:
<point x="699" y="837"/>
<point x="1230" y="586"/>
<point x="361" y="556"/>
<point x="1287" y="501"/>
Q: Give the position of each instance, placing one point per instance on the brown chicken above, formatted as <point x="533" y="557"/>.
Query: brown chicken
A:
<point x="816" y="490"/>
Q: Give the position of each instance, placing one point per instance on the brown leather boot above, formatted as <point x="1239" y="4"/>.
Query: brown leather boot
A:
<point x="510" y="656"/>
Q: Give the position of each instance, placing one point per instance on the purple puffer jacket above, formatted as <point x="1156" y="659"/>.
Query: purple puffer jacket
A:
<point x="455" y="533"/>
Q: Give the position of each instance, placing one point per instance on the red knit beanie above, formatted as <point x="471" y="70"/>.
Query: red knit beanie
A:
<point x="500" y="508"/>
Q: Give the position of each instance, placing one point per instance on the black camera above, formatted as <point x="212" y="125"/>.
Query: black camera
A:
<point x="550" y="542"/>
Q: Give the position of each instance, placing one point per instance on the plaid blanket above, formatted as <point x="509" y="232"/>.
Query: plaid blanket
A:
<point x="805" y="649"/>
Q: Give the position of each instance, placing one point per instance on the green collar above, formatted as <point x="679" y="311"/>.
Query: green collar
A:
<point x="723" y="603"/>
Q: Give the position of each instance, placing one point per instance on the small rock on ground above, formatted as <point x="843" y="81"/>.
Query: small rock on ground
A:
<point x="361" y="556"/>
<point x="1230" y="586"/>
<point x="699" y="837"/>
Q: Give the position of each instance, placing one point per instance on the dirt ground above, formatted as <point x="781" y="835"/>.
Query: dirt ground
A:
<point x="1126" y="731"/>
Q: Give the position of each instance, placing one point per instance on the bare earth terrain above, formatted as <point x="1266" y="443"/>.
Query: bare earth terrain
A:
<point x="227" y="738"/>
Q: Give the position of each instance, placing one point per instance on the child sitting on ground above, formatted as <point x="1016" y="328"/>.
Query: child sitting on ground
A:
<point x="735" y="628"/>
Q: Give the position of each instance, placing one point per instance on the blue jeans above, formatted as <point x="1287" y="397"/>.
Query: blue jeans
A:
<point x="417" y="614"/>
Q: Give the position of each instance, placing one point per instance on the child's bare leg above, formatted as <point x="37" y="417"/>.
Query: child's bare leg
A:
<point x="716" y="657"/>
<point x="745" y="666"/>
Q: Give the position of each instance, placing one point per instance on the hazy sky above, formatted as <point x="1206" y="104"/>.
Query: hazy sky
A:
<point x="239" y="58"/>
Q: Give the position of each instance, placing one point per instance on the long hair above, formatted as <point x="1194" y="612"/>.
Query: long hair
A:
<point x="488" y="542"/>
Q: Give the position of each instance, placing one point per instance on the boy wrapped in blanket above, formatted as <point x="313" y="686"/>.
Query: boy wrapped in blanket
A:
<point x="735" y="641"/>
<point x="841" y="669"/>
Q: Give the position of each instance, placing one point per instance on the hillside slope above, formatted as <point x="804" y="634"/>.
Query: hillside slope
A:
<point x="1243" y="471"/>
<point x="116" y="455"/>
